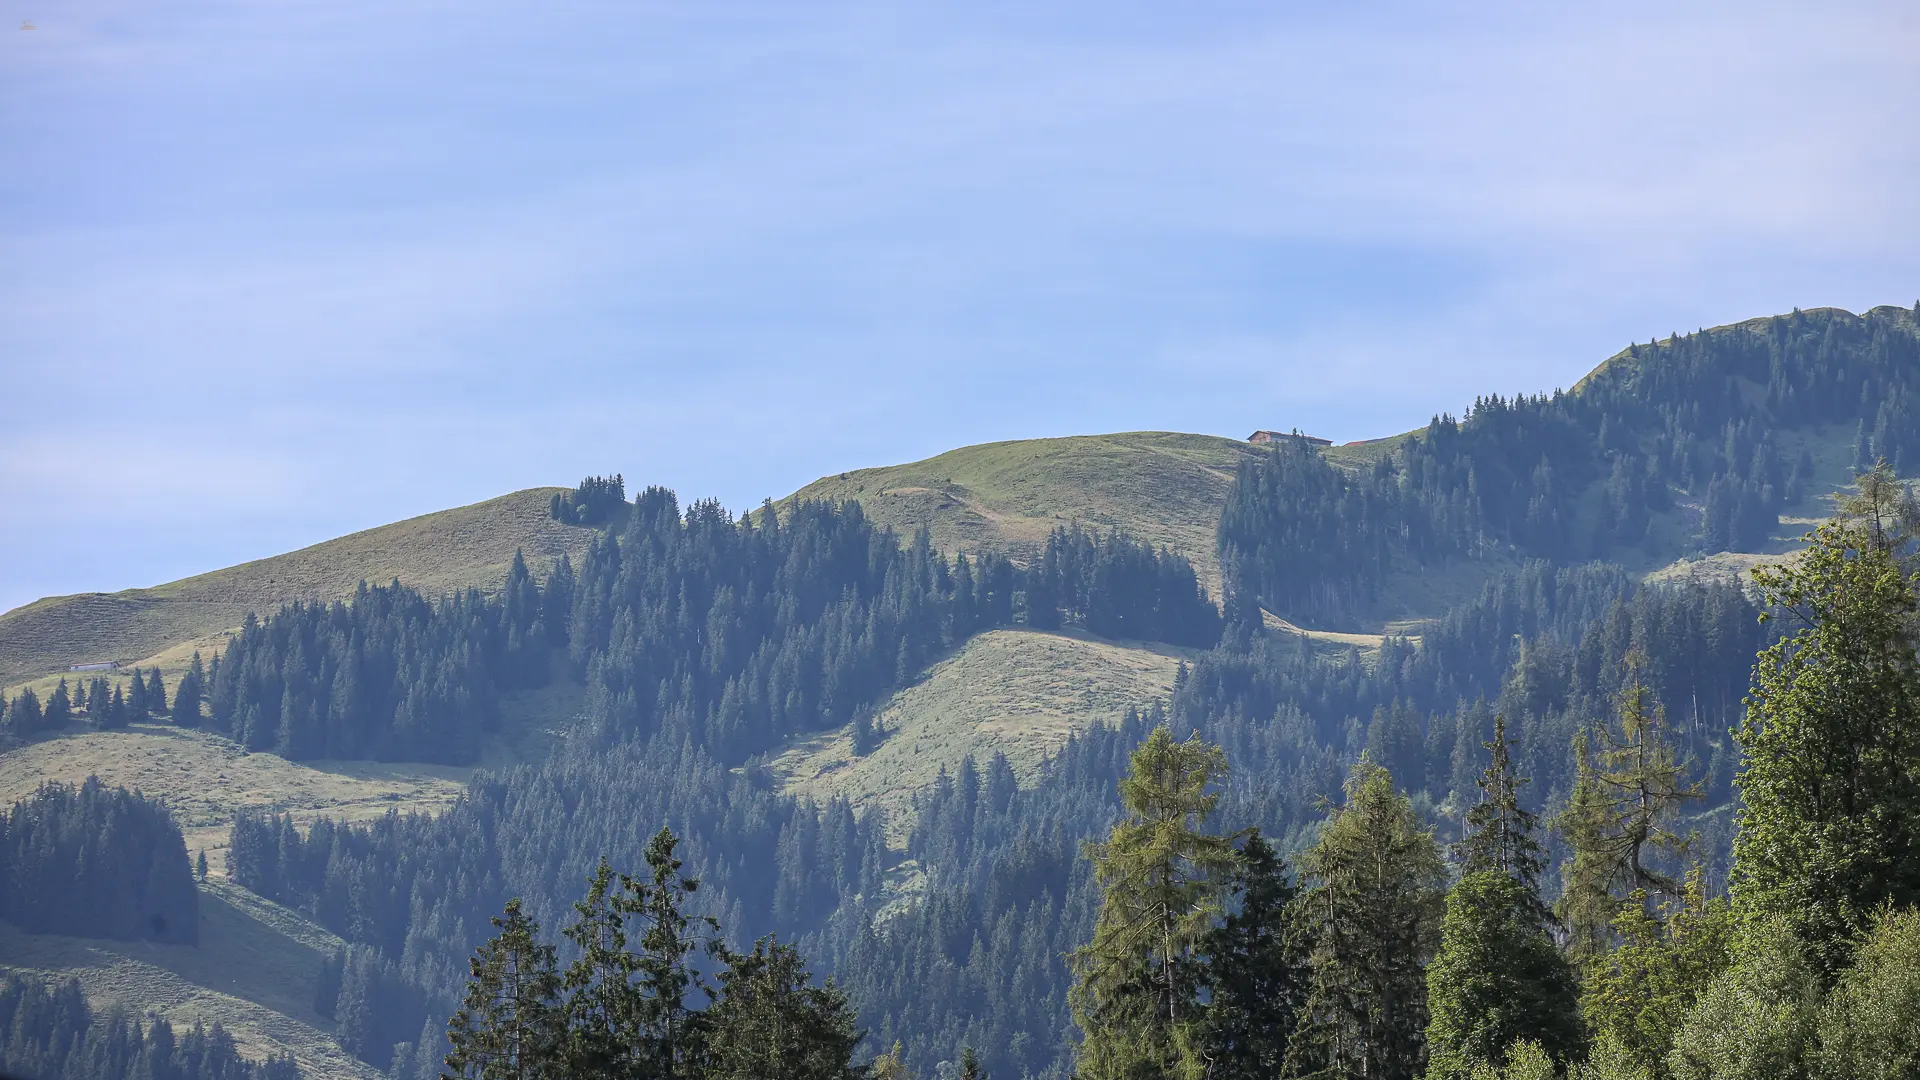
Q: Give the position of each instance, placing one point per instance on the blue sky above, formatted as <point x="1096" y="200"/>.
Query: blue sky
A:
<point x="274" y="270"/>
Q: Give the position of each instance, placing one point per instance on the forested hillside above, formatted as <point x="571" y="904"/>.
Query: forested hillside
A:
<point x="440" y="552"/>
<point x="1693" y="443"/>
<point x="704" y="645"/>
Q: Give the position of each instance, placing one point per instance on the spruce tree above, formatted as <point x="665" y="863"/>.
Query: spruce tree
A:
<point x="1498" y="977"/>
<point x="602" y="1034"/>
<point x="1161" y="878"/>
<point x="1254" y="970"/>
<point x="1373" y="914"/>
<point x="188" y="692"/>
<point x="59" y="708"/>
<point x="508" y="1028"/>
<point x="156" y="691"/>
<point x="672" y="1039"/>
<point x="1500" y="834"/>
<point x="772" y="1023"/>
<point x="1829" y="826"/>
<point x="24" y="715"/>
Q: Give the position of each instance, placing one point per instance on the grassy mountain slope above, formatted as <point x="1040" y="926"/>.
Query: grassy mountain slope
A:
<point x="452" y="549"/>
<point x="254" y="971"/>
<point x="1163" y="487"/>
<point x="204" y="778"/>
<point x="1019" y="692"/>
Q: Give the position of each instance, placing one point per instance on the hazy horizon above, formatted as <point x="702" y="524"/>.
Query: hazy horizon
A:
<point x="279" y="273"/>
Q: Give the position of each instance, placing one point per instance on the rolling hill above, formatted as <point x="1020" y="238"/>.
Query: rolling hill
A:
<point x="1013" y="691"/>
<point x="451" y="549"/>
<point x="1163" y="487"/>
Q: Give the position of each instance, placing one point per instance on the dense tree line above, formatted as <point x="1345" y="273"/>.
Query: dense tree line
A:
<point x="979" y="960"/>
<point x="1301" y="536"/>
<point x="107" y="703"/>
<point x="389" y="675"/>
<point x="49" y="1031"/>
<point x="596" y="501"/>
<point x="1383" y="967"/>
<point x="1118" y="588"/>
<point x="1580" y="474"/>
<point x="734" y="634"/>
<point x="96" y="862"/>
<point x="637" y="1000"/>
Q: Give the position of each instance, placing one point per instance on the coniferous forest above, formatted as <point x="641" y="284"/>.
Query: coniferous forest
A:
<point x="98" y="863"/>
<point x="1580" y="825"/>
<point x="51" y="1031"/>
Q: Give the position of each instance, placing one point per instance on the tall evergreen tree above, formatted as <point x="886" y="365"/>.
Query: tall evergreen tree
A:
<point x="509" y="1027"/>
<point x="670" y="1029"/>
<point x="1254" y="970"/>
<point x="1500" y="834"/>
<point x="772" y="1023"/>
<point x="1830" y="817"/>
<point x="603" y="1038"/>
<point x="1161" y="879"/>
<point x="188" y="692"/>
<point x="156" y="691"/>
<point x="59" y="711"/>
<point x="1498" y="977"/>
<point x="1374" y="913"/>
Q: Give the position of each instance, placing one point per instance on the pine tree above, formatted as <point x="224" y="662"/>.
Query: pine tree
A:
<point x="970" y="1065"/>
<point x="1254" y="971"/>
<point x="1161" y="878"/>
<point x="772" y="1023"/>
<point x="1829" y="825"/>
<point x="1373" y="914"/>
<point x="200" y="866"/>
<point x="509" y="1026"/>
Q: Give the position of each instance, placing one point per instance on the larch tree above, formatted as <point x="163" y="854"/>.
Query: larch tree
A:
<point x="1629" y="782"/>
<point x="1136" y="995"/>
